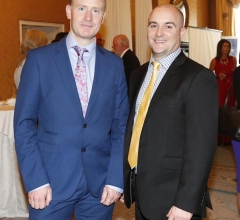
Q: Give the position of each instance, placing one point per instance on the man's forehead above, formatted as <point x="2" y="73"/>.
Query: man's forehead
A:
<point x="93" y="3"/>
<point x="164" y="16"/>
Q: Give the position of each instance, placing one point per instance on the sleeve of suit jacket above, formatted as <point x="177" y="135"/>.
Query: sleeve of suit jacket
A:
<point x="200" y="135"/>
<point x="25" y="121"/>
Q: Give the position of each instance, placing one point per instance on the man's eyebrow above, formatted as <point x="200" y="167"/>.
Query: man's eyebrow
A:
<point x="152" y="22"/>
<point x="170" y="22"/>
<point x="166" y="23"/>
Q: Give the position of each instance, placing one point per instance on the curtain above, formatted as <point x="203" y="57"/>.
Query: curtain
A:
<point x="224" y="17"/>
<point x="117" y="21"/>
<point x="235" y="2"/>
<point x="237" y="20"/>
<point x="203" y="44"/>
<point x="143" y="9"/>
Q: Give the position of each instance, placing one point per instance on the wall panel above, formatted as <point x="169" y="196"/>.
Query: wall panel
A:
<point x="12" y="11"/>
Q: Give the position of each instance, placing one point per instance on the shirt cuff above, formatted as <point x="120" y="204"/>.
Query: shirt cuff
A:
<point x="115" y="188"/>
<point x="40" y="187"/>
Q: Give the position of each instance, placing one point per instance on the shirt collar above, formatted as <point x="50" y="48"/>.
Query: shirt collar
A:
<point x="124" y="52"/>
<point x="72" y="43"/>
<point x="167" y="61"/>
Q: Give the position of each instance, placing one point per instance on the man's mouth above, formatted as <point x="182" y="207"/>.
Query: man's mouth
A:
<point x="87" y="25"/>
<point x="159" y="41"/>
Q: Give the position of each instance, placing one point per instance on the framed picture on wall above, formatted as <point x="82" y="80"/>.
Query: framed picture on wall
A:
<point x="234" y="46"/>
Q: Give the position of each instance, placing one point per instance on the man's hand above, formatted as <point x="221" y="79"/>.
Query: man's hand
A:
<point x="178" y="214"/>
<point x="40" y="198"/>
<point x="122" y="198"/>
<point x="109" y="196"/>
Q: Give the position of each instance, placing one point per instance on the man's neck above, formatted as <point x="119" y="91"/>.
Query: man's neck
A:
<point x="122" y="54"/>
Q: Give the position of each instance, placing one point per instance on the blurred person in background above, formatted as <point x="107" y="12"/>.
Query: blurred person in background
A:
<point x="31" y="40"/>
<point x="224" y="65"/>
<point x="130" y="60"/>
<point x="236" y="144"/>
<point x="100" y="40"/>
<point x="59" y="36"/>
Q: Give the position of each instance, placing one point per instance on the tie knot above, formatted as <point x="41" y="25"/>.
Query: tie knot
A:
<point x="156" y="65"/>
<point x="80" y="50"/>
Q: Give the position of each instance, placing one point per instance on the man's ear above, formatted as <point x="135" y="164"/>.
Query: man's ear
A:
<point x="182" y="32"/>
<point x="103" y="17"/>
<point x="68" y="11"/>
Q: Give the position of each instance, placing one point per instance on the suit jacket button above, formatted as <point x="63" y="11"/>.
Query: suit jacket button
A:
<point x="84" y="125"/>
<point x="84" y="150"/>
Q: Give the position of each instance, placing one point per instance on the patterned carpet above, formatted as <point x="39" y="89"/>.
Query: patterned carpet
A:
<point x="223" y="174"/>
<point x="222" y="184"/>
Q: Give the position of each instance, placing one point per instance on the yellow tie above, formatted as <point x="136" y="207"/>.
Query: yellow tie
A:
<point x="134" y="145"/>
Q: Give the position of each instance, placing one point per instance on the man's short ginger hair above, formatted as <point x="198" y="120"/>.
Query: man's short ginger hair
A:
<point x="105" y="4"/>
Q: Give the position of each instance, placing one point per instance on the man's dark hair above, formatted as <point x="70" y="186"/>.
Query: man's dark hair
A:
<point x="219" y="48"/>
<point x="59" y="36"/>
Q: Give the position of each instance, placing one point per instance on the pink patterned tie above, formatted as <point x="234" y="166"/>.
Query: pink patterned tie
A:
<point x="81" y="79"/>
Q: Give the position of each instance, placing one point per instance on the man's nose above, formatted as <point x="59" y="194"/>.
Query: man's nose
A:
<point x="159" y="31"/>
<point x="88" y="15"/>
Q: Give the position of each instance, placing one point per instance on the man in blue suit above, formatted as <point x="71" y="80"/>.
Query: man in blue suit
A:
<point x="72" y="161"/>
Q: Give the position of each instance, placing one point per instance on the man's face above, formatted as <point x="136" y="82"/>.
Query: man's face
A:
<point x="164" y="31"/>
<point x="117" y="46"/>
<point x="86" y="17"/>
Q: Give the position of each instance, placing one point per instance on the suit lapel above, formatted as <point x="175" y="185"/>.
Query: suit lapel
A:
<point x="64" y="68"/>
<point x="168" y="78"/>
<point x="136" y="84"/>
<point x="170" y="75"/>
<point x="100" y="70"/>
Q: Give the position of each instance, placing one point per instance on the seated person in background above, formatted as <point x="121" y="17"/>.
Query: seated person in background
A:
<point x="31" y="40"/>
<point x="59" y="36"/>
<point x="100" y="40"/>
<point x="130" y="60"/>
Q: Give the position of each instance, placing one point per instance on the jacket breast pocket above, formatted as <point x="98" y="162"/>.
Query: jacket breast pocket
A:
<point x="168" y="102"/>
<point x="174" y="163"/>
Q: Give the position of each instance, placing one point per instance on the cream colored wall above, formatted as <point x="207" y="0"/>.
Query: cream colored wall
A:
<point x="53" y="11"/>
<point x="12" y="11"/>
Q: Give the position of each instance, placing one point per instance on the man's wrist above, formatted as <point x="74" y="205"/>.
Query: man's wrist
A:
<point x="115" y="188"/>
<point x="39" y="187"/>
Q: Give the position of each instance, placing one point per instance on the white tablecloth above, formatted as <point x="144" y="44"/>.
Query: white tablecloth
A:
<point x="13" y="199"/>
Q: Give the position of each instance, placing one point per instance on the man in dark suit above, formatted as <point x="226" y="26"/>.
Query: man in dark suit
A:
<point x="170" y="136"/>
<point x="130" y="60"/>
<point x="72" y="162"/>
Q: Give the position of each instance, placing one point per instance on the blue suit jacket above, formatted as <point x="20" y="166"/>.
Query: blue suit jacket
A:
<point x="65" y="143"/>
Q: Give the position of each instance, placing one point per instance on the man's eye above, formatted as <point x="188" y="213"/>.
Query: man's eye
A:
<point x="168" y="27"/>
<point x="96" y="11"/>
<point x="82" y="9"/>
<point x="153" y="26"/>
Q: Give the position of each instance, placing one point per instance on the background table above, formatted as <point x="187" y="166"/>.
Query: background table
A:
<point x="13" y="199"/>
